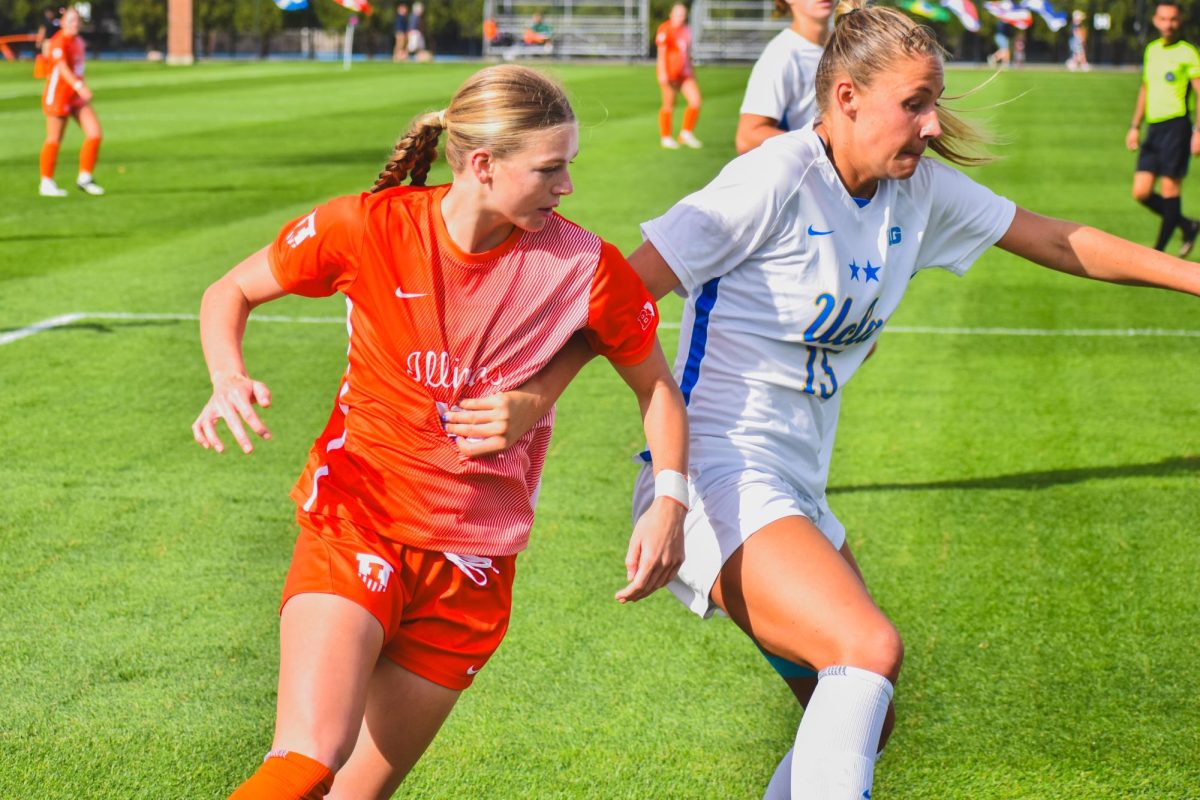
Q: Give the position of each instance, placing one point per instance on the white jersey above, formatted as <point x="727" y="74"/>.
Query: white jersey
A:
<point x="789" y="281"/>
<point x="782" y="81"/>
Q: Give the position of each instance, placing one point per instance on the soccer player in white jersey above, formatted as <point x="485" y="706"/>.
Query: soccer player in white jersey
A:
<point x="779" y="95"/>
<point x="792" y="260"/>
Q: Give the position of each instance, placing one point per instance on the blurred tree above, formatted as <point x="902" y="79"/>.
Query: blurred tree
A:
<point x="143" y="22"/>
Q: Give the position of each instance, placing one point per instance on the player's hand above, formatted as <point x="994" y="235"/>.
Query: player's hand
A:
<point x="1131" y="139"/>
<point x="655" y="550"/>
<point x="1196" y="143"/>
<point x="233" y="400"/>
<point x="85" y="94"/>
<point x="487" y="425"/>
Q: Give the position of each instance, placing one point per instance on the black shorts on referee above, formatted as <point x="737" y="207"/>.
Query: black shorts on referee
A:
<point x="1167" y="148"/>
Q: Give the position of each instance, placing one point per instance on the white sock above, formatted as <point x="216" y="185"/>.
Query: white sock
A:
<point x="780" y="787"/>
<point x="838" y="738"/>
<point x="84" y="177"/>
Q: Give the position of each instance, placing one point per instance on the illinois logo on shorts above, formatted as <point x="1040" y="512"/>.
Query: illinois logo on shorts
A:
<point x="374" y="571"/>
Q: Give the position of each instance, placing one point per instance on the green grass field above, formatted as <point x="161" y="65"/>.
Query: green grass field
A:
<point x="1024" y="506"/>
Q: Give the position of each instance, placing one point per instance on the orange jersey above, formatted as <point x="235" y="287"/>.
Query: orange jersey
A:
<point x="66" y="71"/>
<point x="428" y="325"/>
<point x="675" y="46"/>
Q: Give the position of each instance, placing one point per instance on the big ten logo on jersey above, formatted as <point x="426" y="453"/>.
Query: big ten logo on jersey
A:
<point x="305" y="229"/>
<point x="374" y="571"/>
<point x="645" y="317"/>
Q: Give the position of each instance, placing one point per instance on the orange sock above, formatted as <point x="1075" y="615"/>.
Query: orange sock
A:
<point x="690" y="115"/>
<point x="89" y="154"/>
<point x="664" y="123"/>
<point x="286" y="776"/>
<point x="49" y="159"/>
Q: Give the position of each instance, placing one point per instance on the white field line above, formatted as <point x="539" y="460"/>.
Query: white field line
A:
<point x="70" y="319"/>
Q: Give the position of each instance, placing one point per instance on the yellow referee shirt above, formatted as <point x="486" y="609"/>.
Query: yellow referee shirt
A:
<point x="1168" y="71"/>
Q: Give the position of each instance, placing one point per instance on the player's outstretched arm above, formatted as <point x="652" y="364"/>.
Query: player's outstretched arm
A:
<point x="223" y="313"/>
<point x="1090" y="253"/>
<point x="656" y="546"/>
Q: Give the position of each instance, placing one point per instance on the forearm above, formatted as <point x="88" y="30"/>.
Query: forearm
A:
<point x="1090" y="253"/>
<point x="226" y="307"/>
<point x="223" y="314"/>
<point x="552" y="380"/>
<point x="752" y="131"/>
<point x="664" y="415"/>
<point x="1139" y="108"/>
<point x="664" y="418"/>
<point x="69" y="77"/>
<point x="1102" y="256"/>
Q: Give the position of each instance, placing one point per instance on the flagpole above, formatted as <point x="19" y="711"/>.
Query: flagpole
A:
<point x="348" y="42"/>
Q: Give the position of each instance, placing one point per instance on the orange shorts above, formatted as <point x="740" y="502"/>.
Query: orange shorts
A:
<point x="62" y="103"/>
<point x="443" y="615"/>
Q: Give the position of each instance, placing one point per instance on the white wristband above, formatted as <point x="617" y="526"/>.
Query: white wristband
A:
<point x="672" y="484"/>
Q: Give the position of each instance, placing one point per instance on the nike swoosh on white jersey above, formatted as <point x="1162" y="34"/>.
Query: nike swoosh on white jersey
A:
<point x="403" y="295"/>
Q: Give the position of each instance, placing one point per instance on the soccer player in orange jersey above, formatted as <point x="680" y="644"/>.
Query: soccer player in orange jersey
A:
<point x="400" y="586"/>
<point x="676" y="74"/>
<point x="66" y="95"/>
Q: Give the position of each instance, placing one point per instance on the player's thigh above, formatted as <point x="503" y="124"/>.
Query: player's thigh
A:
<point x="669" y="93"/>
<point x="55" y="127"/>
<point x="691" y="91"/>
<point x="329" y="647"/>
<point x="796" y="595"/>
<point x="404" y="712"/>
<point x="90" y="123"/>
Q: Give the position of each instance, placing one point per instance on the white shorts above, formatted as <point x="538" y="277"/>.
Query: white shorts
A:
<point x="722" y="520"/>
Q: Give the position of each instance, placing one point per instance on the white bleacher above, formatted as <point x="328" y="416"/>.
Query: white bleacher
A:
<point x="581" y="28"/>
<point x="733" y="30"/>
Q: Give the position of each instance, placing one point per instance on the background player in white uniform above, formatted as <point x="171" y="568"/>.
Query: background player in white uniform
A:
<point x="779" y="95"/>
<point x="792" y="260"/>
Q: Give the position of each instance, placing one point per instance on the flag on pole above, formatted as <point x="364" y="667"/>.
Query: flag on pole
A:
<point x="1020" y="18"/>
<point x="357" y="6"/>
<point x="1055" y="20"/>
<point x="923" y="8"/>
<point x="291" y="5"/>
<point x="966" y="12"/>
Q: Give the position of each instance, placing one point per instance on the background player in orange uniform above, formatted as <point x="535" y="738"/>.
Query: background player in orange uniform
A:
<point x="66" y="95"/>
<point x="676" y="74"/>
<point x="400" y="585"/>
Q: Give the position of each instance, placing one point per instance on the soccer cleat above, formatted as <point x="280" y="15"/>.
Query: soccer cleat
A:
<point x="48" y="188"/>
<point x="669" y="143"/>
<point x="90" y="187"/>
<point x="688" y="138"/>
<point x="1191" y="228"/>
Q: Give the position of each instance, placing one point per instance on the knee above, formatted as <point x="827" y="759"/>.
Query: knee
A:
<point x="877" y="648"/>
<point x="1141" y="194"/>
